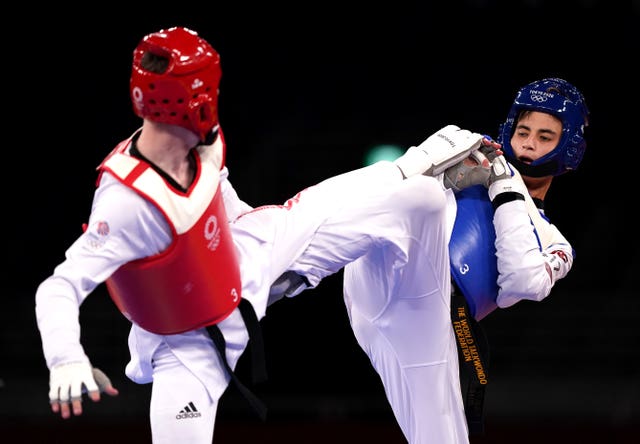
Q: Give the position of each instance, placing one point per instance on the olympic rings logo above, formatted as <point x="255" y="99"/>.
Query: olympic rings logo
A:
<point x="138" y="98"/>
<point x="540" y="96"/>
<point x="212" y="233"/>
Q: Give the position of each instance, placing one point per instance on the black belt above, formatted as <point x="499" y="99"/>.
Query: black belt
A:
<point x="473" y="356"/>
<point x="258" y="362"/>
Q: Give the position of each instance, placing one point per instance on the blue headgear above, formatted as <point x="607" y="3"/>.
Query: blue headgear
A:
<point x="557" y="97"/>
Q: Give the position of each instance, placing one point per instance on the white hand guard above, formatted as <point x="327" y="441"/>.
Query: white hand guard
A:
<point x="440" y="151"/>
<point x="501" y="179"/>
<point x="68" y="381"/>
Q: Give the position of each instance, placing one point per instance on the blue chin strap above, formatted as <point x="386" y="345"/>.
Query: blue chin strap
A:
<point x="549" y="168"/>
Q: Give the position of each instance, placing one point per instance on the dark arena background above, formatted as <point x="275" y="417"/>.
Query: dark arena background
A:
<point x="308" y="89"/>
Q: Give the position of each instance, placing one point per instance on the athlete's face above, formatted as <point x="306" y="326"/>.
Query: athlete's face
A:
<point x="536" y="134"/>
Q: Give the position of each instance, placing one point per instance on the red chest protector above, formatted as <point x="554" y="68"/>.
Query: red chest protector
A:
<point x="195" y="282"/>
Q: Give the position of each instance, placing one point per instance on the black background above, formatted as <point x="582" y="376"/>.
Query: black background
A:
<point x="306" y="90"/>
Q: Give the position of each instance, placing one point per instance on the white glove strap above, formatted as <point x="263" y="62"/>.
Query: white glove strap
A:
<point x="513" y="184"/>
<point x="67" y="381"/>
<point x="413" y="162"/>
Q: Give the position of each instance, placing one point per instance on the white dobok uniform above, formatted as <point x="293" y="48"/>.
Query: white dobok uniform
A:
<point x="355" y="211"/>
<point x="398" y="300"/>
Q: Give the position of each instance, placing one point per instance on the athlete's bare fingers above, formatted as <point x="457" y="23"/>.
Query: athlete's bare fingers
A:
<point x="104" y="384"/>
<point x="65" y="412"/>
<point x="94" y="395"/>
<point x="488" y="141"/>
<point x="111" y="390"/>
<point x="76" y="404"/>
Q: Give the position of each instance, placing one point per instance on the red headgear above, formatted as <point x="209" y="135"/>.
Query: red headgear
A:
<point x="186" y="93"/>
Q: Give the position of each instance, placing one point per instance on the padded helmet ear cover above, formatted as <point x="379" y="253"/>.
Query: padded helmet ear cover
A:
<point x="560" y="98"/>
<point x="186" y="92"/>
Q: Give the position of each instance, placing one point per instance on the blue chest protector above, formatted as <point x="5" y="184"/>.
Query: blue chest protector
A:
<point x="472" y="251"/>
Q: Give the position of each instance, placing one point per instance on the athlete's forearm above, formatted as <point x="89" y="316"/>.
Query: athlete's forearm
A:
<point x="57" y="316"/>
